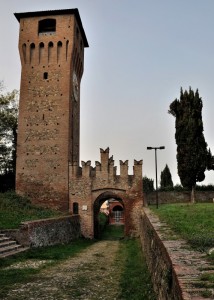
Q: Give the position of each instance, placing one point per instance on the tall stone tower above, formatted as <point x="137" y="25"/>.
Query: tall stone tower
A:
<point x="51" y="46"/>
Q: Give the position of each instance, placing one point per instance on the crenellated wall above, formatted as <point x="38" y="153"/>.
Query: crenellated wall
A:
<point x="89" y="187"/>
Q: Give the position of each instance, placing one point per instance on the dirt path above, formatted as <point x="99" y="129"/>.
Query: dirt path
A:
<point x="92" y="275"/>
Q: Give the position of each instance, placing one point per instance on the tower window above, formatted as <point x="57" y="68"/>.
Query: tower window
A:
<point x="45" y="75"/>
<point x="47" y="26"/>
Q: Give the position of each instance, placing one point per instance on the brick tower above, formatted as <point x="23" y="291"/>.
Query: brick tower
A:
<point x="51" y="47"/>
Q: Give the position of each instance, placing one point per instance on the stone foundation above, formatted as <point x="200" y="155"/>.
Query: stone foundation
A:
<point x="47" y="232"/>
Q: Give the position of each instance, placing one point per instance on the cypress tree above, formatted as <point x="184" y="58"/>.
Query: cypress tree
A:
<point x="193" y="157"/>
<point x="166" y="178"/>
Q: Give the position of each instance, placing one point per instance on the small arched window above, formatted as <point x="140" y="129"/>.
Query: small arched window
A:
<point x="41" y="45"/>
<point x="47" y="26"/>
<point x="75" y="208"/>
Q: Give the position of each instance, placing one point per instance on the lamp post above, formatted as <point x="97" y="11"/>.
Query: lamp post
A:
<point x="155" y="148"/>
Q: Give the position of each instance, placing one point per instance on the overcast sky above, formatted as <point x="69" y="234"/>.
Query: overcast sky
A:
<point x="141" y="52"/>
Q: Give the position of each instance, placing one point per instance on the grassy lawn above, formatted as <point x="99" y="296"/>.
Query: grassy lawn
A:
<point x="15" y="209"/>
<point x="135" y="281"/>
<point x="193" y="222"/>
<point x="50" y="255"/>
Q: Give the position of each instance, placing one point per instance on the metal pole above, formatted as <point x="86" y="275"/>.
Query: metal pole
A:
<point x="156" y="177"/>
<point x="156" y="173"/>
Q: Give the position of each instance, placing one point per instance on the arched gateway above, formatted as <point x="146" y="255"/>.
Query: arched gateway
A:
<point x="51" y="47"/>
<point x="90" y="187"/>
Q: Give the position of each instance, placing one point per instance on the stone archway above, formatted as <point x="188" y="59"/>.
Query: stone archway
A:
<point x="90" y="187"/>
<point x="97" y="204"/>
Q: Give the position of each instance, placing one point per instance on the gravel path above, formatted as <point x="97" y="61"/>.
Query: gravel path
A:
<point x="91" y="275"/>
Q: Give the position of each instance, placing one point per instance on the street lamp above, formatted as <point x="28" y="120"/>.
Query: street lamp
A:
<point x="155" y="148"/>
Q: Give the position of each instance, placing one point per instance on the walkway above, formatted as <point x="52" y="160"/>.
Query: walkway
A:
<point x="91" y="275"/>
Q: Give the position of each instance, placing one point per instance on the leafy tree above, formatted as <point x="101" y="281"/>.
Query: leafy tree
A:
<point x="193" y="157"/>
<point x="148" y="185"/>
<point x="166" y="178"/>
<point x="8" y="130"/>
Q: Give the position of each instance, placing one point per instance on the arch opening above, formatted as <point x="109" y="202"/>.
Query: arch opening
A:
<point x="108" y="212"/>
<point x="47" y="26"/>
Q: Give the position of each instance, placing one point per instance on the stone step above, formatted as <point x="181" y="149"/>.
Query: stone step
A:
<point x="6" y="243"/>
<point x="9" y="247"/>
<point x="14" y="252"/>
<point x="4" y="238"/>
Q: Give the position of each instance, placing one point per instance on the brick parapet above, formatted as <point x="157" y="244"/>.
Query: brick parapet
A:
<point x="104" y="173"/>
<point x="175" y="268"/>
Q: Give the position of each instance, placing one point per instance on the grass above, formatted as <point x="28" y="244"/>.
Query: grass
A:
<point x="193" y="222"/>
<point x="135" y="280"/>
<point x="113" y="232"/>
<point x="53" y="255"/>
<point x="15" y="209"/>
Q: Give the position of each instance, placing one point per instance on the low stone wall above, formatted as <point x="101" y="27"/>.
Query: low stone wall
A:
<point x="47" y="232"/>
<point x="178" y="197"/>
<point x="175" y="268"/>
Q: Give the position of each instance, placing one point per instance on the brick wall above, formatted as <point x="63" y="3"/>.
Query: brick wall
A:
<point x="174" y="267"/>
<point x="179" y="197"/>
<point x="49" y="110"/>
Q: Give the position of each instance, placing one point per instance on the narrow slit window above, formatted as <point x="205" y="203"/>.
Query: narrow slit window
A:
<point x="45" y="75"/>
<point x="75" y="208"/>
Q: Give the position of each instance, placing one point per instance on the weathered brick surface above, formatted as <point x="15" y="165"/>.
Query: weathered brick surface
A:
<point x="48" y="130"/>
<point x="47" y="232"/>
<point x="174" y="267"/>
<point x="91" y="187"/>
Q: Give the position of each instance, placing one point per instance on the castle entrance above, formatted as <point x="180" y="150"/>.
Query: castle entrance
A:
<point x="90" y="187"/>
<point x="113" y="210"/>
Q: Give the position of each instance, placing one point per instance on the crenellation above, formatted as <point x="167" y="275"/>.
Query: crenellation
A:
<point x="137" y="168"/>
<point x="104" y="154"/>
<point x="124" y="168"/>
<point x="86" y="168"/>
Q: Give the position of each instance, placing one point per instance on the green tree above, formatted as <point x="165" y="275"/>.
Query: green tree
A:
<point x="148" y="185"/>
<point x="8" y="130"/>
<point x="166" y="178"/>
<point x="193" y="157"/>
